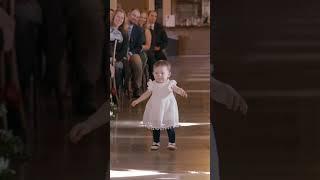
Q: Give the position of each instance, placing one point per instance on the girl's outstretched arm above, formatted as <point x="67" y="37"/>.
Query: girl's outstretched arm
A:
<point x="179" y="91"/>
<point x="143" y="97"/>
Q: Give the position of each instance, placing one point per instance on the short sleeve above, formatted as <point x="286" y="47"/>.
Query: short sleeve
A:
<point x="171" y="84"/>
<point x="150" y="85"/>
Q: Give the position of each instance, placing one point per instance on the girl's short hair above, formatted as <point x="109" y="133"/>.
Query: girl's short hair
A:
<point x="162" y="63"/>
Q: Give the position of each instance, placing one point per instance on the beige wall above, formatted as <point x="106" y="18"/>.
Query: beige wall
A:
<point x="140" y="4"/>
<point x="166" y="5"/>
<point x="113" y="4"/>
<point x="151" y="4"/>
<point x="129" y="4"/>
<point x="192" y="41"/>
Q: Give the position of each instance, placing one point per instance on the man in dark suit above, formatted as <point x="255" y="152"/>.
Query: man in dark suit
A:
<point x="134" y="66"/>
<point x="159" y="36"/>
<point x="159" y="41"/>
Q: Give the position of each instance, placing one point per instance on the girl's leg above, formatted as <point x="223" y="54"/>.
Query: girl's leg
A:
<point x="156" y="135"/>
<point x="171" y="135"/>
<point x="156" y="140"/>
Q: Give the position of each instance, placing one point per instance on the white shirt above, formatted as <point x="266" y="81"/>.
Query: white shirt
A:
<point x="152" y="26"/>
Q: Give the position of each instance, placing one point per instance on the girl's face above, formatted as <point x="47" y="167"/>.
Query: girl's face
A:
<point x="161" y="74"/>
<point x="143" y="19"/>
<point x="118" y="19"/>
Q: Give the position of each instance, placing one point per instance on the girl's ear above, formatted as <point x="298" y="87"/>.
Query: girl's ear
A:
<point x="169" y="74"/>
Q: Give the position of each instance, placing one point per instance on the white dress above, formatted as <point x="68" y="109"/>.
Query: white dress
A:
<point x="161" y="110"/>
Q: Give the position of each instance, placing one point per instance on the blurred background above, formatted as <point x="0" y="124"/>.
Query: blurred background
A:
<point x="268" y="51"/>
<point x="52" y="78"/>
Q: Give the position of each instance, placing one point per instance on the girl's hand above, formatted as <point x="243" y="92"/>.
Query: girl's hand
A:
<point x="134" y="103"/>
<point x="183" y="93"/>
<point x="180" y="91"/>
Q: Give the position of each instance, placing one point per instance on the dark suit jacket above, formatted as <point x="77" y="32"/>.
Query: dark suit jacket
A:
<point x="160" y="39"/>
<point x="122" y="48"/>
<point x="136" y="40"/>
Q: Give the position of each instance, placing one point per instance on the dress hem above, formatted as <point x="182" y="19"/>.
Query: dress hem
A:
<point x="151" y="128"/>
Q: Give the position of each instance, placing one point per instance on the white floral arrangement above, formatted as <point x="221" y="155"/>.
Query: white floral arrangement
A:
<point x="3" y="114"/>
<point x="113" y="110"/>
<point x="3" y="110"/>
<point x="10" y="146"/>
<point x="5" y="172"/>
<point x="11" y="149"/>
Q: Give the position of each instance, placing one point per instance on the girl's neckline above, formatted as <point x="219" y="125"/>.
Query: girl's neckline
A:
<point x="115" y="27"/>
<point x="162" y="82"/>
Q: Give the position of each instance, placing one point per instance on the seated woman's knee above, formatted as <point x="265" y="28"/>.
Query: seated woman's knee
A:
<point x="135" y="59"/>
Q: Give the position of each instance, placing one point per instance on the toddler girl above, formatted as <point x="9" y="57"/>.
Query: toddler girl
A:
<point x="161" y="111"/>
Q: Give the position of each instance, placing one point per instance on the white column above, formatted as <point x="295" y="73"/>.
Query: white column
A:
<point x="113" y="4"/>
<point x="166" y="6"/>
<point x="151" y="4"/>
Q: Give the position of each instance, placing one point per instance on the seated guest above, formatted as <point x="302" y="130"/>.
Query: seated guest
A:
<point x="147" y="54"/>
<point x="159" y="36"/>
<point x="118" y="31"/>
<point x="134" y="65"/>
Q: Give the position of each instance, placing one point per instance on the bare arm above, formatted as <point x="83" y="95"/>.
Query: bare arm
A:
<point x="143" y="97"/>
<point x="179" y="91"/>
<point x="148" y="40"/>
<point x="99" y="118"/>
<point x="96" y="120"/>
<point x="225" y="94"/>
